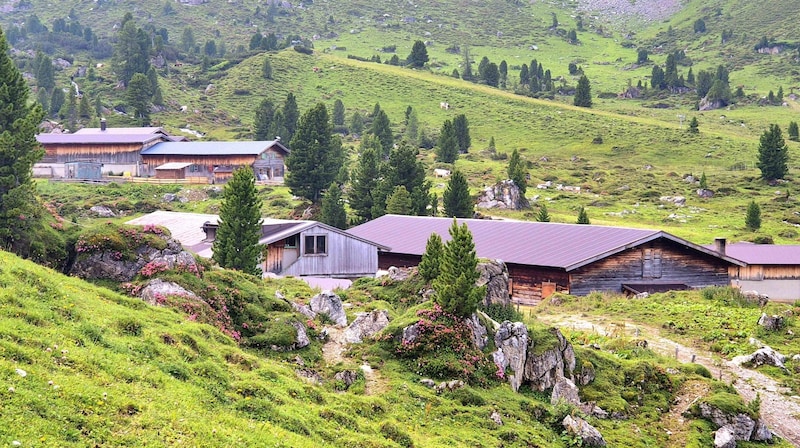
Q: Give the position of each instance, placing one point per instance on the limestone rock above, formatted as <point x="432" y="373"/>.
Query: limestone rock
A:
<point x="102" y="211"/>
<point x="741" y="426"/>
<point x="543" y="369"/>
<point x="398" y="274"/>
<point x="366" y="325"/>
<point x="723" y="437"/>
<point x="479" y="333"/>
<point x="588" y="433"/>
<point x="565" y="390"/>
<point x="511" y="340"/>
<point x="302" y="337"/>
<point x="303" y="309"/>
<point x="706" y="104"/>
<point x="410" y="334"/>
<point x="586" y="375"/>
<point x="704" y="193"/>
<point x="761" y="433"/>
<point x="495" y="417"/>
<point x="772" y="323"/>
<point x="764" y="355"/>
<point x="348" y="377"/>
<point x="329" y="304"/>
<point x="157" y="289"/>
<point x="503" y="195"/>
<point x="494" y="274"/>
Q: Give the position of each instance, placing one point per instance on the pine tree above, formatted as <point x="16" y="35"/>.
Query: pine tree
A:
<point x="455" y="286"/>
<point x="461" y="128"/>
<point x="753" y="219"/>
<point x="403" y="168"/>
<point x="466" y="72"/>
<point x="583" y="217"/>
<point x="132" y="52"/>
<point x="447" y="146"/>
<point x="338" y="113"/>
<point x="236" y="244"/>
<point x="429" y="265"/>
<point x="19" y="121"/>
<point x="516" y="171"/>
<point x="456" y="200"/>
<point x="332" y="211"/>
<point x="138" y="96"/>
<point x="793" y="132"/>
<point x="693" y="126"/>
<point x="583" y="93"/>
<point x="316" y="155"/>
<point x="773" y="154"/>
<point x="157" y="97"/>
<point x="703" y="181"/>
<point x="418" y="56"/>
<point x="290" y="117"/>
<point x="412" y="128"/>
<point x="84" y="109"/>
<point x="266" y="69"/>
<point x="56" y="100"/>
<point x="263" y="121"/>
<point x="357" y="123"/>
<point x="365" y="177"/>
<point x="503" y="70"/>
<point x="45" y="74"/>
<point x="543" y="215"/>
<point x="399" y="202"/>
<point x="381" y="128"/>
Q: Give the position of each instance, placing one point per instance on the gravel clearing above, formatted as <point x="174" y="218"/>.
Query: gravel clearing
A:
<point x="616" y="10"/>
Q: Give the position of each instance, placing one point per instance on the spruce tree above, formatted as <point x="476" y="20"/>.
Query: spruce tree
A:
<point x="543" y="215"/>
<point x="236" y="244"/>
<point x="332" y="211"/>
<point x="753" y="219"/>
<point x="418" y="56"/>
<point x="399" y="202"/>
<point x="583" y="217"/>
<point x="703" y="181"/>
<point x="266" y="69"/>
<point x="466" y="72"/>
<point x="132" y="52"/>
<point x="338" y="113"/>
<point x="455" y="286"/>
<point x="447" y="145"/>
<point x="381" y="128"/>
<point x="316" y="155"/>
<point x="403" y="168"/>
<point x="290" y="116"/>
<point x="412" y="128"/>
<point x="794" y="134"/>
<point x="583" y="93"/>
<point x="432" y="258"/>
<point x="364" y="181"/>
<point x="773" y="154"/>
<point x="456" y="200"/>
<point x="265" y="113"/>
<point x="516" y="172"/>
<point x="461" y="128"/>
<point x="693" y="126"/>
<point x="19" y="121"/>
<point x="357" y="123"/>
<point x="138" y="96"/>
<point x="56" y="100"/>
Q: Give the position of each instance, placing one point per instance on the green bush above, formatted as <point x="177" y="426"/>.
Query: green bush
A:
<point x="129" y="326"/>
<point x="501" y="313"/>
<point x="395" y="434"/>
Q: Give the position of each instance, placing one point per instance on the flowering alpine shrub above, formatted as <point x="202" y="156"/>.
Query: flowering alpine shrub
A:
<point x="121" y="240"/>
<point x="445" y="350"/>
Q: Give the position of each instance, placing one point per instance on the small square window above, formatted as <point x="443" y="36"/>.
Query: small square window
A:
<point x="315" y="245"/>
<point x="291" y="242"/>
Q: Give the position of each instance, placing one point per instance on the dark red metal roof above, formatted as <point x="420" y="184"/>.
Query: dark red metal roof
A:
<point x="567" y="246"/>
<point x="763" y="253"/>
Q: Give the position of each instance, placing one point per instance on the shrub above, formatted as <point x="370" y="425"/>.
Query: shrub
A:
<point x="129" y="326"/>
<point x="467" y="397"/>
<point x="395" y="434"/>
<point x="500" y="312"/>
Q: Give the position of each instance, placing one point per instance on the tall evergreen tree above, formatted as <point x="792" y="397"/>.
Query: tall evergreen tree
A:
<point x="155" y="88"/>
<point x="57" y="100"/>
<point x="132" y="52"/>
<point x="466" y="72"/>
<point x="338" y="113"/>
<point x="752" y="220"/>
<point x="583" y="217"/>
<point x="84" y="109"/>
<point x="332" y="210"/>
<point x="429" y="265"/>
<point x="357" y="123"/>
<point x="236" y="244"/>
<point x="503" y="70"/>
<point x="316" y="155"/>
<point x="456" y="200"/>
<point x="482" y="68"/>
<point x="266" y="69"/>
<point x="187" y="39"/>
<point x="45" y="74"/>
<point x="290" y="116"/>
<point x="773" y="154"/>
<point x="455" y="286"/>
<point x="516" y="172"/>
<point x="491" y="75"/>
<point x="70" y="112"/>
<point x="447" y="146"/>
<point x="399" y="202"/>
<point x="403" y="168"/>
<point x="657" y="79"/>
<point x="263" y="121"/>
<point x="412" y="128"/>
<point x="19" y="121"/>
<point x="418" y="56"/>
<point x="364" y="182"/>
<point x="793" y="131"/>
<point x="381" y="128"/>
<point x="543" y="215"/>
<point x="583" y="93"/>
<point x="461" y="128"/>
<point x="694" y="126"/>
<point x="138" y="96"/>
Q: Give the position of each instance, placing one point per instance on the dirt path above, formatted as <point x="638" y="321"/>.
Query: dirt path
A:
<point x="779" y="411"/>
<point x="333" y="353"/>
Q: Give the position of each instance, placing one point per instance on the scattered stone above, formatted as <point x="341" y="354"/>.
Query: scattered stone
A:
<point x="102" y="211"/>
<point x="763" y="356"/>
<point x="565" y="390"/>
<point x="303" y="309"/>
<point x="587" y="433"/>
<point x="399" y="274"/>
<point x="157" y="289"/>
<point x="479" y="333"/>
<point x="329" y="304"/>
<point x="410" y="334"/>
<point x="679" y="201"/>
<point x="586" y="375"/>
<point x="302" y="337"/>
<point x="704" y="193"/>
<point x="771" y="323"/>
<point x="309" y="375"/>
<point x="724" y="437"/>
<point x="169" y="197"/>
<point x="511" y="340"/>
<point x="427" y="382"/>
<point x="740" y="426"/>
<point x="366" y="325"/>
<point x="495" y="417"/>
<point x="348" y="377"/>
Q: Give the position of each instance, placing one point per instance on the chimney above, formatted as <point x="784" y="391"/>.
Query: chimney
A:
<point x="719" y="245"/>
<point x="102" y="124"/>
<point x="278" y="138"/>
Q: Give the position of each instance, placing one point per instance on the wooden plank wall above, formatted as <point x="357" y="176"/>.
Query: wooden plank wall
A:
<point x="527" y="282"/>
<point x="677" y="265"/>
<point x="762" y="272"/>
<point x="347" y="257"/>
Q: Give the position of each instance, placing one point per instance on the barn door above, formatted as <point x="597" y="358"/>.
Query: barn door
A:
<point x="651" y="263"/>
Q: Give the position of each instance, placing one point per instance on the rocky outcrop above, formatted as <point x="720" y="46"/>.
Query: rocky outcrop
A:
<point x="101" y="211"/>
<point x="478" y="331"/>
<point x="503" y="195"/>
<point x="329" y="304"/>
<point x="511" y="340"/>
<point x="157" y="289"/>
<point x="108" y="265"/>
<point x="579" y="427"/>
<point x="771" y="323"/>
<point x="347" y="377"/>
<point x="707" y="104"/>
<point x="566" y="391"/>
<point x="739" y="426"/>
<point x="494" y="275"/>
<point x="366" y="325"/>
<point x="302" y="337"/>
<point x="764" y="356"/>
<point x="542" y="369"/>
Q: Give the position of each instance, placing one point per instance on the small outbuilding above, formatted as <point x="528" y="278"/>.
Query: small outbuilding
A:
<point x="771" y="269"/>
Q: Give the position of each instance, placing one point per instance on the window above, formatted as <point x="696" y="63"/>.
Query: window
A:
<point x="315" y="245"/>
<point x="291" y="242"/>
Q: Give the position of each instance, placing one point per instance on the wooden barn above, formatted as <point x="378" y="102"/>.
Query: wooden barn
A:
<point x="216" y="161"/>
<point x="298" y="248"/>
<point x="543" y="258"/>
<point x="773" y="270"/>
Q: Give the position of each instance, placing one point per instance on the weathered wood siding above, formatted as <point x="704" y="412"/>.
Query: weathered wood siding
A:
<point x="659" y="261"/>
<point x="528" y="282"/>
<point x="779" y="282"/>
<point x="763" y="272"/>
<point x="345" y="257"/>
<point x="119" y="154"/>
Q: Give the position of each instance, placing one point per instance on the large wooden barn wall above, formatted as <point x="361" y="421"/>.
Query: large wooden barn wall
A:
<point x="346" y="257"/>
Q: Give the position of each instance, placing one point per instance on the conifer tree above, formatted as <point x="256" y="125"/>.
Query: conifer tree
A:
<point x="693" y="126"/>
<point x="543" y="215"/>
<point x="56" y="100"/>
<point x="793" y="132"/>
<point x="583" y="217"/>
<point x="516" y="171"/>
<point x="332" y="211"/>
<point x="19" y="121"/>
<point x="404" y="169"/>
<point x="84" y="110"/>
<point x="753" y="219"/>
<point x="773" y="154"/>
<point x="583" y="93"/>
<point x="338" y="113"/>
<point x="399" y="202"/>
<point x="236" y="244"/>
<point x="266" y="69"/>
<point x="461" y="128"/>
<point x="466" y="72"/>
<point x="265" y="113"/>
<point x="381" y="128"/>
<point x="432" y="258"/>
<point x="703" y="181"/>
<point x="455" y="286"/>
<point x="418" y="56"/>
<point x="447" y="146"/>
<point x="456" y="200"/>
<point x="290" y="116"/>
<point x="316" y="155"/>
<point x="138" y="96"/>
<point x="132" y="52"/>
<point x="357" y="123"/>
<point x="364" y="182"/>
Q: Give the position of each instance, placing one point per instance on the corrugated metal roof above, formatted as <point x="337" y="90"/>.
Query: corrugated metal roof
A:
<point x="566" y="246"/>
<point x="127" y="131"/>
<point x="767" y="254"/>
<point x="83" y="139"/>
<point x="211" y="148"/>
<point x="173" y="166"/>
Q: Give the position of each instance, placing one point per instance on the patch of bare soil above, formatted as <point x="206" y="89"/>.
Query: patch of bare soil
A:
<point x="779" y="411"/>
<point x="334" y="352"/>
<point x="673" y="421"/>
